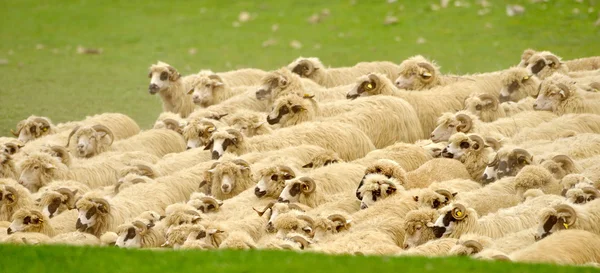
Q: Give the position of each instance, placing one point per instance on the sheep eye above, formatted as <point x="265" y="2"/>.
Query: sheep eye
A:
<point x="418" y="228"/>
<point x="377" y="193"/>
<point x="274" y="177"/>
<point x="451" y="125"/>
<point x="478" y="107"/>
<point x="36" y="167"/>
<point x="207" y="86"/>
<point x="163" y="76"/>
<point x="181" y="222"/>
<point x="464" y="145"/>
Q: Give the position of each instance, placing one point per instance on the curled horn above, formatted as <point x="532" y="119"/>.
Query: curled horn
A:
<point x="43" y="121"/>
<point x="309" y="185"/>
<point x="287" y="170"/>
<point x="295" y="206"/>
<point x="17" y="132"/>
<point x="474" y="245"/>
<point x="523" y="152"/>
<point x="338" y="218"/>
<point x="71" y="134"/>
<point x="463" y="118"/>
<point x="13" y="146"/>
<point x="301" y="240"/>
<point x="429" y="67"/>
<point x="102" y="128"/>
<point x="147" y="170"/>
<point x="192" y="212"/>
<point x="564" y="88"/>
<point x="209" y="200"/>
<point x="563" y="208"/>
<point x="138" y="180"/>
<point x="307" y="219"/>
<point x="592" y="191"/>
<point x="565" y="160"/>
<point x="309" y="67"/>
<point x="172" y="124"/>
<point x="215" y="77"/>
<point x="491" y="98"/>
<point x="268" y="207"/>
<point x="553" y="59"/>
<point x="241" y="162"/>
<point x="445" y="193"/>
<point x="479" y="141"/>
<point x="493" y="142"/>
<point x="459" y="212"/>
<point x="102" y="202"/>
<point x="70" y="196"/>
<point x="373" y="77"/>
<point x="11" y="190"/>
<point x="139" y="224"/>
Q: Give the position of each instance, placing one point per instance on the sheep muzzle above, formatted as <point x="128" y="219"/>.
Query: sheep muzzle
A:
<point x="153" y="89"/>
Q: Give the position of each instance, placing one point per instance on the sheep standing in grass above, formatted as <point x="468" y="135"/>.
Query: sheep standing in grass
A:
<point x="313" y="69"/>
<point x="168" y="83"/>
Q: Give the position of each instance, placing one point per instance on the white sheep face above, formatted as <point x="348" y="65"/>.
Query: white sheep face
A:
<point x="443" y="131"/>
<point x="86" y="219"/>
<point x="444" y="225"/>
<point x="129" y="239"/>
<point x="456" y="150"/>
<point x="227" y="183"/>
<point x="18" y="225"/>
<point x="407" y="83"/>
<point x="203" y="93"/>
<point x="262" y="186"/>
<point x="31" y="177"/>
<point x="490" y="174"/>
<point x="291" y="192"/>
<point x="159" y="81"/>
<point x="26" y="135"/>
<point x="86" y="145"/>
<point x="549" y="101"/>
<point x="412" y="240"/>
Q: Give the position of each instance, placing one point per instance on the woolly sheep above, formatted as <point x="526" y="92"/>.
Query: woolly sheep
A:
<point x="470" y="150"/>
<point x="211" y="89"/>
<point x="559" y="94"/>
<point x="508" y="161"/>
<point x="249" y="123"/>
<point x="563" y="126"/>
<point x="418" y="227"/>
<point x="418" y="73"/>
<point x="313" y="69"/>
<point x="582" y="195"/>
<point x="230" y="178"/>
<point x="139" y="234"/>
<point x="488" y="109"/>
<point x="347" y="140"/>
<point x="168" y="83"/>
<point x="197" y="132"/>
<point x="34" y="127"/>
<point x="569" y="216"/>
<point x="7" y="166"/>
<point x="545" y="64"/>
<point x="409" y="156"/>
<point x="75" y="238"/>
<point x="13" y="197"/>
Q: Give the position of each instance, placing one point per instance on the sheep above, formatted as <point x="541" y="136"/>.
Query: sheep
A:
<point x="394" y="114"/>
<point x="197" y="132"/>
<point x="27" y="238"/>
<point x="13" y="197"/>
<point x="545" y="64"/>
<point x="582" y="195"/>
<point x="417" y="73"/>
<point x="346" y="139"/>
<point x="95" y="140"/>
<point x="171" y="121"/>
<point x="120" y="125"/>
<point x="418" y="227"/>
<point x="313" y="189"/>
<point x="569" y="216"/>
<point x="564" y="126"/>
<point x="248" y="231"/>
<point x="470" y="150"/>
<point x="230" y="178"/>
<point x="139" y="234"/>
<point x="39" y="169"/>
<point x="429" y="105"/>
<point x="456" y="219"/>
<point x="249" y="123"/>
<point x="168" y="83"/>
<point x="180" y="235"/>
<point x="30" y="220"/>
<point x="560" y="95"/>
<point x="204" y="203"/>
<point x="34" y="127"/>
<point x="244" y="101"/>
<point x="313" y="69"/>
<point x="465" y="122"/>
<point x="283" y="81"/>
<point x="211" y="89"/>
<point x="508" y="161"/>
<point x="564" y="247"/>
<point x="7" y="166"/>
<point x="536" y="177"/>
<point x="571" y="181"/>
<point x="75" y="238"/>
<point x="57" y="200"/>
<point x="488" y="109"/>
<point x="240" y="77"/>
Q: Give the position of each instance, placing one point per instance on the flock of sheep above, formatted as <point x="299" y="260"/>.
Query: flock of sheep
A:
<point x="377" y="158"/>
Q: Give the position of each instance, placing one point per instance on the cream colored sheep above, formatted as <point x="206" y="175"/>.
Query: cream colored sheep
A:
<point x="197" y="132"/>
<point x="250" y="123"/>
<point x="508" y="161"/>
<point x="13" y="197"/>
<point x="7" y="166"/>
<point x="171" y="121"/>
<point x="168" y="83"/>
<point x="470" y="150"/>
<point x="417" y="73"/>
<point x="569" y="216"/>
<point x="75" y="238"/>
<point x="409" y="156"/>
<point x="313" y="69"/>
<point x="35" y="127"/>
<point x="211" y="89"/>
<point x="545" y="64"/>
<point x="561" y="95"/>
<point x="230" y="178"/>
<point x="488" y="109"/>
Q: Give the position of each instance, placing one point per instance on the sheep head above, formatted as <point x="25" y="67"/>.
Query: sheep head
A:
<point x="508" y="161"/>
<point x="418" y="227"/>
<point x="452" y="123"/>
<point x="247" y="122"/>
<point x="58" y="201"/>
<point x="544" y="64"/>
<point x="295" y="187"/>
<point x="290" y="110"/>
<point x="323" y="159"/>
<point x="198" y="132"/>
<point x="225" y="174"/>
<point x="481" y="104"/>
<point x="275" y="83"/>
<point x="574" y="180"/>
<point x="367" y="85"/>
<point x="517" y="84"/>
<point x="204" y="87"/>
<point x="376" y="187"/>
<point x="553" y="91"/>
<point x="27" y="220"/>
<point x="33" y="128"/>
<point x="130" y="235"/>
<point x="272" y="180"/>
<point x="39" y="169"/>
<point x="91" y="140"/>
<point x="161" y="75"/>
<point x="559" y="217"/>
<point x="92" y="211"/>
<point x="435" y="199"/>
<point x="223" y="139"/>
<point x="306" y="67"/>
<point x="461" y="144"/>
<point x="417" y="73"/>
<point x="582" y="195"/>
<point x="449" y="217"/>
<point x="560" y="165"/>
<point x="206" y="204"/>
<point x="527" y="53"/>
<point x="11" y="148"/>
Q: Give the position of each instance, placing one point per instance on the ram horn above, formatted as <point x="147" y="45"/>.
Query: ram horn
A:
<point x="429" y="68"/>
<point x="70" y="196"/>
<point x="523" y="152"/>
<point x="446" y="193"/>
<point x="12" y="190"/>
<point x="308" y="185"/>
<point x="209" y="200"/>
<point x="565" y="160"/>
<point x="340" y="219"/>
<point x="572" y="215"/>
<point x="241" y="162"/>
<point x="593" y="192"/>
<point x="268" y="207"/>
<point x="138" y="180"/>
<point x="474" y="245"/>
<point x="459" y="211"/>
<point x="564" y="88"/>
<point x="301" y="240"/>
<point x="479" y="141"/>
<point x="172" y="124"/>
<point x="71" y="134"/>
<point x="493" y="143"/>
<point x="468" y="123"/>
<point x="102" y="128"/>
<point x="101" y="201"/>
<point x="44" y="122"/>
<point x="287" y="170"/>
<point x="307" y="219"/>
<point x="553" y="59"/>
<point x="146" y="170"/>
<point x="140" y="225"/>
<point x="493" y="100"/>
<point x="215" y="77"/>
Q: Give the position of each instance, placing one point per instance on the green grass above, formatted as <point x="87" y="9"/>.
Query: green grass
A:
<point x="69" y="259"/>
<point x="58" y="83"/>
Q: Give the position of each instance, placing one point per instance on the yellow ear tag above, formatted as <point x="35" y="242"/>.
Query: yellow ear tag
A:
<point x="45" y="129"/>
<point x="526" y="78"/>
<point x="459" y="213"/>
<point x="369" y="86"/>
<point x="566" y="225"/>
<point x="305" y="187"/>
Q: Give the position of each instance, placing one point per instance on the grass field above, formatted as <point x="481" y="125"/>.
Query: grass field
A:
<point x="42" y="74"/>
<point x="69" y="259"/>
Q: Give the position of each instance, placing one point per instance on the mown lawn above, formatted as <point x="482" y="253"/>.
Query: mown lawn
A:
<point x="41" y="259"/>
<point x="41" y="73"/>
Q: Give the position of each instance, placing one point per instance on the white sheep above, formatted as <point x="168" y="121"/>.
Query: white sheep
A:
<point x="569" y="216"/>
<point x="418" y="73"/>
<point x="13" y="197"/>
<point x="559" y="94"/>
<point x="250" y="123"/>
<point x="487" y="107"/>
<point x="566" y="125"/>
<point x="197" y="132"/>
<point x="230" y="178"/>
<point x="211" y="89"/>
<point x="7" y="166"/>
<point x="168" y="83"/>
<point x="470" y="150"/>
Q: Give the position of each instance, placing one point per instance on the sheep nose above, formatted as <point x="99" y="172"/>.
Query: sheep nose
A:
<point x="405" y="246"/>
<point x="535" y="106"/>
<point x="281" y="200"/>
<point x="215" y="155"/>
<point x="259" y="193"/>
<point x="431" y="136"/>
<point x="188" y="147"/>
<point x="439" y="231"/>
<point x="153" y="88"/>
<point x="363" y="206"/>
<point x="502" y="99"/>
<point x="9" y="231"/>
<point x="270" y="227"/>
<point x="80" y="146"/>
<point x="225" y="187"/>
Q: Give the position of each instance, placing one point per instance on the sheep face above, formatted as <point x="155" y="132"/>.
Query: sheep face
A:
<point x="32" y="128"/>
<point x="25" y="220"/>
<point x="272" y="84"/>
<point x="206" y="204"/>
<point x="582" y="195"/>
<point x="507" y="163"/>
<point x="517" y="84"/>
<point x="204" y="88"/>
<point x="161" y="76"/>
<point x="225" y="174"/>
<point x="367" y="85"/>
<point x="221" y="140"/>
<point x="305" y="67"/>
<point x="272" y="181"/>
<point x="418" y="227"/>
<point x="450" y="124"/>
<point x="543" y="64"/>
<point x="198" y="133"/>
<point x="295" y="187"/>
<point x="575" y="181"/>
<point x="91" y="210"/>
<point x="287" y="109"/>
<point x="376" y="187"/>
<point x="130" y="235"/>
<point x="551" y="96"/>
<point x="449" y="217"/>
<point x="56" y="202"/>
<point x="461" y="144"/>
<point x="554" y="219"/>
<point x="415" y="74"/>
<point x="31" y="174"/>
<point x="481" y="105"/>
<point x="435" y="199"/>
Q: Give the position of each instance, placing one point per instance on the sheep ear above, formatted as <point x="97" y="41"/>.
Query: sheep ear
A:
<point x="429" y="224"/>
<point x="416" y="198"/>
<point x="562" y="93"/>
<point x="49" y="166"/>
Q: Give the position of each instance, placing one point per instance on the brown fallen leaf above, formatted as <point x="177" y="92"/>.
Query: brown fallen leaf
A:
<point x="91" y="51"/>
